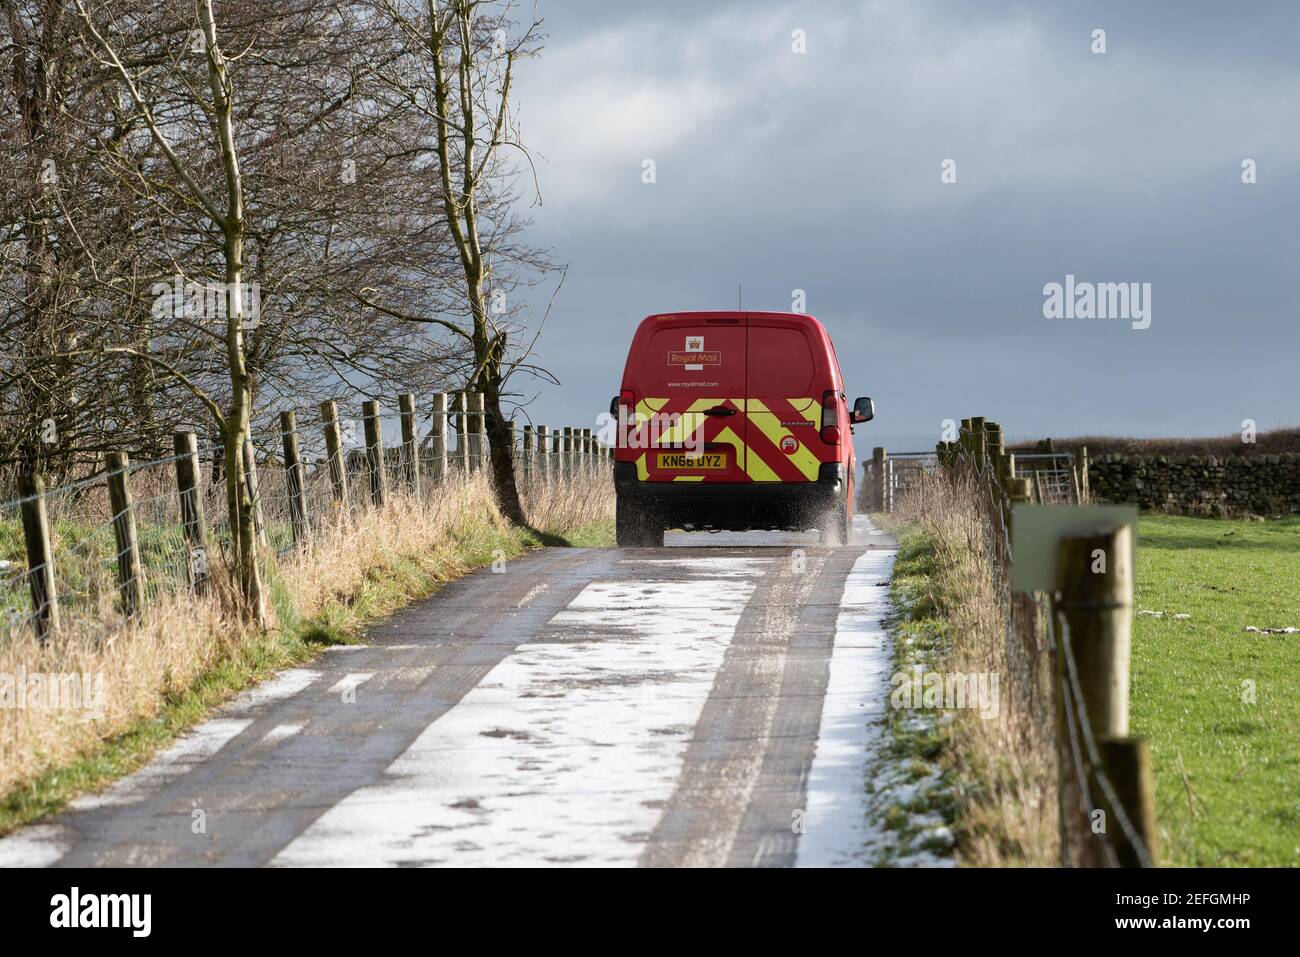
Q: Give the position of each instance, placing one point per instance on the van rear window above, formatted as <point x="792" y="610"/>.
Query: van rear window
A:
<point x="780" y="362"/>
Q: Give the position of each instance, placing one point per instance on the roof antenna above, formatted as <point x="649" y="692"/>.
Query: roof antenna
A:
<point x="740" y="299"/>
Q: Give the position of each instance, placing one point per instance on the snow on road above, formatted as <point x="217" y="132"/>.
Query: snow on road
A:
<point x="610" y="718"/>
<point x="566" y="751"/>
<point x="837" y="832"/>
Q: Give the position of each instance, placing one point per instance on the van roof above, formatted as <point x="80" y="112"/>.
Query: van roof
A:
<point x="735" y="314"/>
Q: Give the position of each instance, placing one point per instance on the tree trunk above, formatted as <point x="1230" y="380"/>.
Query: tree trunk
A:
<point x="243" y="528"/>
<point x="503" y="454"/>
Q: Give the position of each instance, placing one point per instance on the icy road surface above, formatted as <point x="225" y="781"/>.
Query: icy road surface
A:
<point x="713" y="702"/>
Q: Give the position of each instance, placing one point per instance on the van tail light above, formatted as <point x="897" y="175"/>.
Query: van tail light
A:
<point x="830" y="417"/>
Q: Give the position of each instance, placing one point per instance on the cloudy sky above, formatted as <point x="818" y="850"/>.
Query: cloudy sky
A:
<point x="821" y="171"/>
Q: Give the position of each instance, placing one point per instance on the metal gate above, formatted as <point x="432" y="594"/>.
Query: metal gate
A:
<point x="902" y="470"/>
<point x="1053" y="479"/>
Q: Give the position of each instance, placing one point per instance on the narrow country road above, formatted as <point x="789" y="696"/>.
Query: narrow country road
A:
<point x="707" y="703"/>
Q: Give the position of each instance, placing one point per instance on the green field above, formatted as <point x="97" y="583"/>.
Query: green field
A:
<point x="1227" y="767"/>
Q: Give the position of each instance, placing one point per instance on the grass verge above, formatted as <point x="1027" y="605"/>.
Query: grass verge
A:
<point x="914" y="783"/>
<point x="993" y="777"/>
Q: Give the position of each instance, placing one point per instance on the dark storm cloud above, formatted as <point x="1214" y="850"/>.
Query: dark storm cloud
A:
<point x="820" y="172"/>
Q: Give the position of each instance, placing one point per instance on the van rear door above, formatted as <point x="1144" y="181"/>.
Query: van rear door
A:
<point x="688" y="371"/>
<point x="789" y="371"/>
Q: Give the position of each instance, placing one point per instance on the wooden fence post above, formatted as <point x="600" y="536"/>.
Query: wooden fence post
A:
<point x="130" y="570"/>
<point x="587" y="450"/>
<point x="375" y="452"/>
<point x="1084" y="489"/>
<point x="995" y="447"/>
<point x="194" y="526"/>
<point x="557" y="450"/>
<point x="410" y="441"/>
<point x="438" y="437"/>
<point x="293" y="478"/>
<point x="254" y="490"/>
<point x="40" y="555"/>
<point x="1091" y="610"/>
<point x="1128" y="768"/>
<point x="879" y="479"/>
<point x="530" y="445"/>
<point x="335" y="454"/>
<point x="543" y="450"/>
<point x="979" y="449"/>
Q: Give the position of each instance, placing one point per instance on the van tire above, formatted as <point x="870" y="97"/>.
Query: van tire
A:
<point x="635" y="528"/>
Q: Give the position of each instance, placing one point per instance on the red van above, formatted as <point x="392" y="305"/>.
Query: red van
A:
<point x="733" y="420"/>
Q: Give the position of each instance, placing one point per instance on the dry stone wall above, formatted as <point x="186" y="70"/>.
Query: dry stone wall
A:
<point x="1200" y="485"/>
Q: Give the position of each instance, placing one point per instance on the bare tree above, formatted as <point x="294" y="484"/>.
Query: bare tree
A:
<point x="226" y="214"/>
<point x="458" y="73"/>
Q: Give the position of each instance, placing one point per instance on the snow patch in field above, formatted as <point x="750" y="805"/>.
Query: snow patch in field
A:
<point x="567" y="750"/>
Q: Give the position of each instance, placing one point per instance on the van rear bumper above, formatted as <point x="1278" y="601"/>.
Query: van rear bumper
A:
<point x="735" y="506"/>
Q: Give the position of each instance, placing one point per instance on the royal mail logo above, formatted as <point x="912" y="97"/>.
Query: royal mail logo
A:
<point x="698" y="359"/>
<point x="694" y="356"/>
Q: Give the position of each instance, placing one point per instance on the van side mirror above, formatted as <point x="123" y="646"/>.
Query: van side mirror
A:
<point x="864" y="410"/>
<point x="613" y="407"/>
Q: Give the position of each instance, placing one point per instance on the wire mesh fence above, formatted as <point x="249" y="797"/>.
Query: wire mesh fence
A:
<point x="92" y="554"/>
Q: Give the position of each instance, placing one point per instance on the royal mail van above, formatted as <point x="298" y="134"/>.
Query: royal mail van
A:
<point x="733" y="420"/>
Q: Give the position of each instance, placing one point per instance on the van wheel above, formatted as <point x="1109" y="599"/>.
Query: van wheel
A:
<point x="635" y="528"/>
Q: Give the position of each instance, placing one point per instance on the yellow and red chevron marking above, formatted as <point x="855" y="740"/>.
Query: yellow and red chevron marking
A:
<point x="766" y="430"/>
<point x="762" y="422"/>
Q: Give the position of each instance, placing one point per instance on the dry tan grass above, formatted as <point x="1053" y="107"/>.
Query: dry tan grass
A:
<point x="1005" y="767"/>
<point x="134" y="665"/>
<point x="406" y="545"/>
<point x="583" y="501"/>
